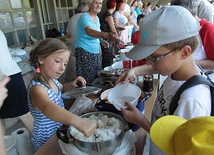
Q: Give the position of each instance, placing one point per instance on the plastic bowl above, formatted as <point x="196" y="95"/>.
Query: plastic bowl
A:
<point x="122" y="93"/>
<point x="123" y="53"/>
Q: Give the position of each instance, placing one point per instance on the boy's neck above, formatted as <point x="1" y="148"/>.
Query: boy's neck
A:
<point x="186" y="71"/>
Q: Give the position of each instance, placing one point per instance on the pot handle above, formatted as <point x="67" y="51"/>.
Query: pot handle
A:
<point x="62" y="134"/>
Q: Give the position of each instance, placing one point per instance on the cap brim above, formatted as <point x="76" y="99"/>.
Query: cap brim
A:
<point x="141" y="51"/>
<point x="162" y="132"/>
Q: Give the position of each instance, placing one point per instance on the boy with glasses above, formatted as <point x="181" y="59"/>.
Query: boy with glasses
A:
<point x="168" y="39"/>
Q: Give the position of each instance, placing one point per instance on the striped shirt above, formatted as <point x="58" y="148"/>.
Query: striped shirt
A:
<point x="43" y="127"/>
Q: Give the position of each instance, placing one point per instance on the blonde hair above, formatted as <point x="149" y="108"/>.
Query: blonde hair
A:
<point x="193" y="42"/>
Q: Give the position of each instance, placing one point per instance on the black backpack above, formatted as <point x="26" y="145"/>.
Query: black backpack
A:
<point x="195" y="80"/>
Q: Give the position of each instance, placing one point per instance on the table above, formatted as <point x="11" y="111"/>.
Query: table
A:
<point x="51" y="147"/>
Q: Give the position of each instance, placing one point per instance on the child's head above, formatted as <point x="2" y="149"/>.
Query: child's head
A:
<point x="51" y="56"/>
<point x="139" y="17"/>
<point x="170" y="27"/>
<point x="44" y="49"/>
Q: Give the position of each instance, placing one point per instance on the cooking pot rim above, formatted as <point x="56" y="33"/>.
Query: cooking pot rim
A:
<point x="123" y="123"/>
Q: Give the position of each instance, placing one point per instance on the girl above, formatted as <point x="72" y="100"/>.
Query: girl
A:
<point x="49" y="59"/>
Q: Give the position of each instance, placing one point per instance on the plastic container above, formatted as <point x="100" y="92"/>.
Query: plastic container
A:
<point x="122" y="93"/>
<point x="104" y="105"/>
<point x="123" y="53"/>
<point x="10" y="145"/>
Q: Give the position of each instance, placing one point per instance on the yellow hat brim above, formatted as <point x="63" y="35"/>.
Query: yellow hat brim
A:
<point x="162" y="132"/>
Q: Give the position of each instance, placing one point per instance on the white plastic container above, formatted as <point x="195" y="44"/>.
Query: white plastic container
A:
<point x="10" y="145"/>
<point x="123" y="53"/>
<point x="122" y="93"/>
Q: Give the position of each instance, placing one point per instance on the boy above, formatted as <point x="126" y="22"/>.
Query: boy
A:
<point x="136" y="35"/>
<point x="168" y="39"/>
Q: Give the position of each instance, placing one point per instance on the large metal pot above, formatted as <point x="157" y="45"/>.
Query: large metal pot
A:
<point x="102" y="148"/>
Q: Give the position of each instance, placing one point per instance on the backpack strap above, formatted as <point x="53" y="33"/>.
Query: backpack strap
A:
<point x="195" y="80"/>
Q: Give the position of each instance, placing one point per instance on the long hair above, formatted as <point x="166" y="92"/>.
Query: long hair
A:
<point x="44" y="49"/>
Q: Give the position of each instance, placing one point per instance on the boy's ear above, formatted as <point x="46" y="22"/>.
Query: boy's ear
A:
<point x="186" y="51"/>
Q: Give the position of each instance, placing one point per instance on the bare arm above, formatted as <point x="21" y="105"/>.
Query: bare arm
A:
<point x="57" y="113"/>
<point x="111" y="24"/>
<point x="206" y="64"/>
<point x="129" y="75"/>
<point x="96" y="34"/>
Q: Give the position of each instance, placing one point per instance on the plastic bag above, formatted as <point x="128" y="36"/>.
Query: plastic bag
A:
<point x="82" y="105"/>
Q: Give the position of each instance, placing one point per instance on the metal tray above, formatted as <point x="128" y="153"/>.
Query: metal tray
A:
<point x="80" y="92"/>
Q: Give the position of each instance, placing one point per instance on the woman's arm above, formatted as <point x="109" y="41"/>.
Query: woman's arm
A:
<point x="111" y="24"/>
<point x="96" y="34"/>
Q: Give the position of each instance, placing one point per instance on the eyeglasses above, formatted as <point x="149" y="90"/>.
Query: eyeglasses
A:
<point x="160" y="57"/>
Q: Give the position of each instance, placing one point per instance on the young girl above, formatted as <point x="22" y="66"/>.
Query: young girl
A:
<point x="49" y="59"/>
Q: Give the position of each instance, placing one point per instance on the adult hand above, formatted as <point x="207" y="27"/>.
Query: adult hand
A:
<point x="113" y="37"/>
<point x="127" y="76"/>
<point x="3" y="89"/>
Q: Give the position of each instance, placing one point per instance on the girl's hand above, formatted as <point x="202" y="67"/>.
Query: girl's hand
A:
<point x="87" y="127"/>
<point x="79" y="79"/>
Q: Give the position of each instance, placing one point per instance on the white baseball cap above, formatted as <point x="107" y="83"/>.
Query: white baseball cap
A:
<point x="163" y="26"/>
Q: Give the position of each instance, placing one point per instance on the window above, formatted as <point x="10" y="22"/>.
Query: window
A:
<point x="18" y="21"/>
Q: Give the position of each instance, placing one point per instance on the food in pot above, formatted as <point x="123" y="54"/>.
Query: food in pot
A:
<point x="107" y="128"/>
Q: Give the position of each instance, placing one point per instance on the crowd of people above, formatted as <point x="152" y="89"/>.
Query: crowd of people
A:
<point x="151" y="29"/>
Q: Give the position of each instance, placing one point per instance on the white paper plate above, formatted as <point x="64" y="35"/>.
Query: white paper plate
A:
<point x="129" y="47"/>
<point x="17" y="59"/>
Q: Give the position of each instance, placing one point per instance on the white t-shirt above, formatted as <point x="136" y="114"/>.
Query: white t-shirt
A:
<point x="72" y="27"/>
<point x="122" y="19"/>
<point x="8" y="65"/>
<point x="194" y="101"/>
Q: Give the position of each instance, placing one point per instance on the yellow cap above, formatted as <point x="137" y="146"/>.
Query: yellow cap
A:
<point x="177" y="136"/>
